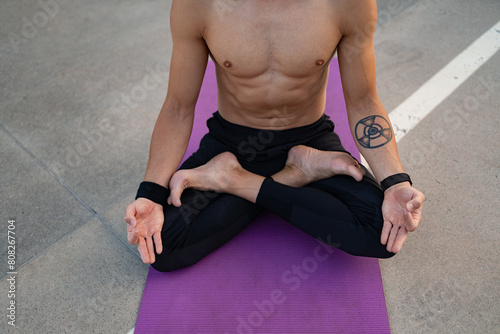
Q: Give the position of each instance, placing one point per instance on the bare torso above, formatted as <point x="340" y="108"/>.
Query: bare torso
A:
<point x="272" y="59"/>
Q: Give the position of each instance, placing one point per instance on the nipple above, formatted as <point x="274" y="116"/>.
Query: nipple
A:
<point x="227" y="63"/>
<point x="320" y="62"/>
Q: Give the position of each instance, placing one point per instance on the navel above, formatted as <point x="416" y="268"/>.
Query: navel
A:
<point x="227" y="63"/>
<point x="320" y="62"/>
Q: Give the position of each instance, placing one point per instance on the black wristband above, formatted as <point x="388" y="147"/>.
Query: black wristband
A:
<point x="153" y="191"/>
<point x="395" y="179"/>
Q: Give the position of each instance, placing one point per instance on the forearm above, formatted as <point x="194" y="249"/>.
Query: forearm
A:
<point x="168" y="143"/>
<point x="374" y="137"/>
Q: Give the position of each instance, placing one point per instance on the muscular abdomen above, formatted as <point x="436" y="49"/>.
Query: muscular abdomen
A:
<point x="272" y="61"/>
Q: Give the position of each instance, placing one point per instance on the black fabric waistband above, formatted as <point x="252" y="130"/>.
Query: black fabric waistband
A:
<point x="323" y="123"/>
<point x="266" y="143"/>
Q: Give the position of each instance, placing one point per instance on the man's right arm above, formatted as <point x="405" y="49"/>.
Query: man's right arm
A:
<point x="175" y="121"/>
<point x="174" y="124"/>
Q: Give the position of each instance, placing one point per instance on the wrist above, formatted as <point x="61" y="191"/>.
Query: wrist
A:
<point x="397" y="186"/>
<point x="153" y="191"/>
<point x="395" y="179"/>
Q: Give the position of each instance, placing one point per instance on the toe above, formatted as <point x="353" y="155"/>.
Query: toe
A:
<point x="177" y="184"/>
<point x="355" y="172"/>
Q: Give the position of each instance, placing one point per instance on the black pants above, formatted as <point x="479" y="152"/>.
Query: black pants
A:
<point x="338" y="210"/>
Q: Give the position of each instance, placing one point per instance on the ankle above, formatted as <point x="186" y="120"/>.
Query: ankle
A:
<point x="292" y="176"/>
<point x="229" y="176"/>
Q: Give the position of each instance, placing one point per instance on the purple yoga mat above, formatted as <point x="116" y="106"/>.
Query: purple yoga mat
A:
<point x="272" y="277"/>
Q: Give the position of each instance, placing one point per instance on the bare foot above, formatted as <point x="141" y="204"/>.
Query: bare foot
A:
<point x="215" y="175"/>
<point x="309" y="164"/>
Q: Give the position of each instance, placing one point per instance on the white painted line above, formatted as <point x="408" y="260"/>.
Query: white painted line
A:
<point x="409" y="113"/>
<point x="131" y="331"/>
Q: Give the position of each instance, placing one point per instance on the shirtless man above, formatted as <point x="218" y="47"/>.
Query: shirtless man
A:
<point x="270" y="146"/>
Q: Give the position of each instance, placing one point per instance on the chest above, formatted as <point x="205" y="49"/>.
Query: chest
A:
<point x="293" y="38"/>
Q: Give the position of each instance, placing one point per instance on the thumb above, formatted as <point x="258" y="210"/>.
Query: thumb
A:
<point x="416" y="202"/>
<point x="130" y="213"/>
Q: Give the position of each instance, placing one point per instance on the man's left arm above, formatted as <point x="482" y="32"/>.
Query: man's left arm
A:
<point x="370" y="124"/>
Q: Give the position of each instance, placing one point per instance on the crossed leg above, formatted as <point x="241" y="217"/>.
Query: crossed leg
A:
<point x="224" y="174"/>
<point x="318" y="192"/>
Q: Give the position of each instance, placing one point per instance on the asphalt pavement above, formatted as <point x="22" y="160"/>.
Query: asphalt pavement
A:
<point x="81" y="85"/>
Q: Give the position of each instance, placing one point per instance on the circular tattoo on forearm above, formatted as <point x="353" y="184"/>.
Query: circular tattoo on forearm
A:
<point x="373" y="131"/>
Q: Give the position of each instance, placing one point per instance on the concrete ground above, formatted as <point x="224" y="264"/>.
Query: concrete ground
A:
<point x="81" y="85"/>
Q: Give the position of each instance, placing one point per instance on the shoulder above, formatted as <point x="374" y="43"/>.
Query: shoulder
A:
<point x="190" y="15"/>
<point x="357" y="15"/>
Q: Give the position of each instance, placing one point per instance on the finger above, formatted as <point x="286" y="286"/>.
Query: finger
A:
<point x="133" y="236"/>
<point x="143" y="250"/>
<point x="400" y="239"/>
<point x="151" y="250"/>
<point x="385" y="232"/>
<point x="410" y="222"/>
<point x="129" y="233"/>
<point x="416" y="202"/>
<point x="392" y="238"/>
<point x="158" y="244"/>
<point x="130" y="213"/>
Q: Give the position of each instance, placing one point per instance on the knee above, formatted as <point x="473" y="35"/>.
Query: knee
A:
<point x="170" y="262"/>
<point x="370" y="246"/>
<point x="385" y="254"/>
<point x="163" y="267"/>
<point x="378" y="250"/>
<point x="373" y="253"/>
